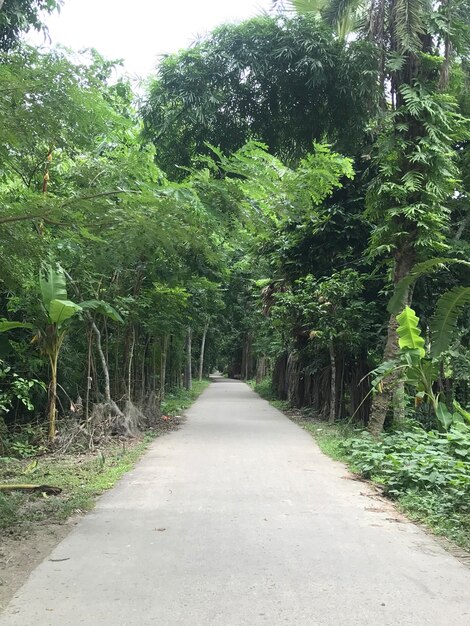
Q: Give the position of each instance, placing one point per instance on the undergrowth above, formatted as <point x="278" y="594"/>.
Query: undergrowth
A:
<point x="82" y="477"/>
<point x="180" y="399"/>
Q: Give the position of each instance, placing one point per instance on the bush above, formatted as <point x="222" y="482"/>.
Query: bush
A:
<point x="417" y="461"/>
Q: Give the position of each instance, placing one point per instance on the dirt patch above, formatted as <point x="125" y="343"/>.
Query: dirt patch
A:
<point x="19" y="556"/>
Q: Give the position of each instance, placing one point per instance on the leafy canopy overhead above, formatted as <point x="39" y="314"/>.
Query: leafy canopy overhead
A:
<point x="285" y="82"/>
<point x="17" y="16"/>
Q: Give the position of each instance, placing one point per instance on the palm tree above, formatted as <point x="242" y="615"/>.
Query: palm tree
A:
<point x="344" y="17"/>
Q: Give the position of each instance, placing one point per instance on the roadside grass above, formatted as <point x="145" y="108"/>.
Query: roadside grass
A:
<point x="181" y="399"/>
<point x="82" y="477"/>
<point x="264" y="389"/>
<point x="419" y="471"/>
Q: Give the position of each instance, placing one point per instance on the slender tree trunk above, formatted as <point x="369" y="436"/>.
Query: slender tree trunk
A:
<point x="154" y="368"/>
<point x="332" y="416"/>
<point x="104" y="364"/>
<point x="106" y="339"/>
<point x="163" y="360"/>
<point x="3" y="433"/>
<point x="88" y="378"/>
<point x="203" y="347"/>
<point x="247" y="356"/>
<point x="53" y="396"/>
<point x="341" y="388"/>
<point x="143" y="377"/>
<point x="129" y="370"/>
<point x="117" y="376"/>
<point x="381" y="402"/>
<point x="188" y="377"/>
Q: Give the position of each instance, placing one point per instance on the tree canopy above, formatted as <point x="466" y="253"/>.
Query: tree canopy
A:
<point x="285" y="82"/>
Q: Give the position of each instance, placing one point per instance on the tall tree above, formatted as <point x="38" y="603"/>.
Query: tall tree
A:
<point x="415" y="174"/>
<point x="285" y="82"/>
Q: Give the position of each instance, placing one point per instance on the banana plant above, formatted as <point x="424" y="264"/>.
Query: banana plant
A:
<point x="419" y="367"/>
<point x="49" y="337"/>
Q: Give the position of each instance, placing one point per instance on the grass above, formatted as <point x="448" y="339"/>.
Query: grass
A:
<point x="329" y="438"/>
<point x="425" y="507"/>
<point x="181" y="399"/>
<point x="264" y="389"/>
<point x="81" y="477"/>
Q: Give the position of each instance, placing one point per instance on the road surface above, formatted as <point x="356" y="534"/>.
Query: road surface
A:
<point x="238" y="519"/>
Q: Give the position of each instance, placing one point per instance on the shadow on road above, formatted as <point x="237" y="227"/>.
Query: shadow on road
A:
<point x="218" y="378"/>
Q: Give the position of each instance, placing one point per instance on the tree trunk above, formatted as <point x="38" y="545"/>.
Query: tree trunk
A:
<point x="142" y="371"/>
<point x="261" y="368"/>
<point x="203" y="347"/>
<point x="88" y="378"/>
<point x="3" y="433"/>
<point x="53" y="396"/>
<point x="104" y="364"/>
<point x="381" y="402"/>
<point x="332" y="416"/>
<point x="399" y="401"/>
<point x="188" y="376"/>
<point x="163" y="359"/>
<point x="246" y="369"/>
<point x="341" y="388"/>
<point x="279" y="377"/>
<point x="129" y="370"/>
<point x="295" y="380"/>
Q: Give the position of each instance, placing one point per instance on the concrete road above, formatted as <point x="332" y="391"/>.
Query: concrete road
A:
<point x="237" y="519"/>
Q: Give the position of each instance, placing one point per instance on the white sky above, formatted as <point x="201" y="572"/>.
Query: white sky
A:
<point x="140" y="30"/>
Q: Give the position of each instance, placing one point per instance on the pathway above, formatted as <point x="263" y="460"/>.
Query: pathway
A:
<point x="238" y="519"/>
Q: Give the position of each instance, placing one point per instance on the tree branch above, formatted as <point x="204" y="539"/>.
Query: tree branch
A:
<point x="97" y="195"/>
<point x="21" y="218"/>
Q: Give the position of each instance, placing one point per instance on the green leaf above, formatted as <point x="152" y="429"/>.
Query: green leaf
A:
<point x="463" y="412"/>
<point x="102" y="307"/>
<point x="396" y="301"/>
<point x="52" y="284"/>
<point x="61" y="310"/>
<point x="409" y="332"/>
<point x="443" y="415"/>
<point x="5" y="325"/>
<point x="444" y="321"/>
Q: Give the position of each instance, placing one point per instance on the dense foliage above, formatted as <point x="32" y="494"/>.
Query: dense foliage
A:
<point x="428" y="472"/>
<point x="284" y="82"/>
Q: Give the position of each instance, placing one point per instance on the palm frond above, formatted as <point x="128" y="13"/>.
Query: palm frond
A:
<point x="448" y="308"/>
<point x="408" y="21"/>
<point x="343" y="15"/>
<point x="301" y="7"/>
<point x="420" y="269"/>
